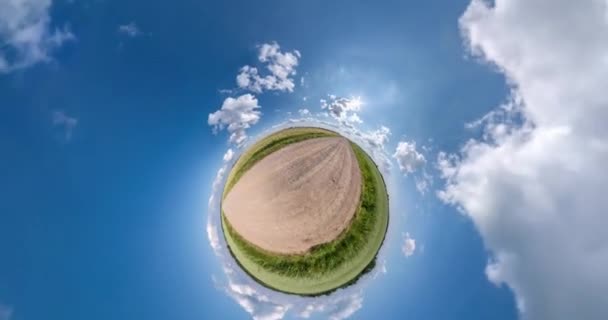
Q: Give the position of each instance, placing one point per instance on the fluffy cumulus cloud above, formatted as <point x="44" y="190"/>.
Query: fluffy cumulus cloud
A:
<point x="534" y="184"/>
<point x="344" y="307"/>
<point x="408" y="158"/>
<point x="344" y="110"/>
<point x="239" y="114"/>
<point x="256" y="303"/>
<point x="409" y="245"/>
<point x="65" y="123"/>
<point x="411" y="161"/>
<point x="377" y="138"/>
<point x="26" y="34"/>
<point x="228" y="155"/>
<point x="215" y="187"/>
<point x="236" y="116"/>
<point x="280" y="69"/>
<point x="304" y="112"/>
<point x="129" y="29"/>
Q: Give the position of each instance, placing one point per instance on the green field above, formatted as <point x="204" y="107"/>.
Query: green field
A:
<point x="327" y="266"/>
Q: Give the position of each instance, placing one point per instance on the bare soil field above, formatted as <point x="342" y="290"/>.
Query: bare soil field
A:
<point x="300" y="196"/>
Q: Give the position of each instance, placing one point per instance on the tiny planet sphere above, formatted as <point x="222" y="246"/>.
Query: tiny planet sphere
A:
<point x="305" y="211"/>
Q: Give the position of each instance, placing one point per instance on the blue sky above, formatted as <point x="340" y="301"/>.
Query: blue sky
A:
<point x="488" y="119"/>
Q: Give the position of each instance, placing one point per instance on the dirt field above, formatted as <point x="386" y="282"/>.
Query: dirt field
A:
<point x="300" y="196"/>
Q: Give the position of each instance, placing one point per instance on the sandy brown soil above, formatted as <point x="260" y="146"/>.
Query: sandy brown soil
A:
<point x="303" y="195"/>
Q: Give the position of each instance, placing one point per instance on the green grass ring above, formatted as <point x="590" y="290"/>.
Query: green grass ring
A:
<point x="328" y="266"/>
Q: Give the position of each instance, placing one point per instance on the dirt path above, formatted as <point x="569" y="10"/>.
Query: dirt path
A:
<point x="303" y="195"/>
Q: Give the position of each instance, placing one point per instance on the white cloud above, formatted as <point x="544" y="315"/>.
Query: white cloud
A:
<point x="66" y="123"/>
<point x="6" y="312"/>
<point x="408" y="158"/>
<point x="383" y="268"/>
<point x="310" y="309"/>
<point x="129" y="29"/>
<point x="280" y="65"/>
<point x="236" y="115"/>
<point x="265" y="305"/>
<point x="413" y="162"/>
<point x="376" y="141"/>
<point x="354" y="118"/>
<point x="409" y="245"/>
<point x="344" y="110"/>
<point x="241" y="113"/>
<point x="212" y="234"/>
<point x="215" y="187"/>
<point x="377" y="138"/>
<point x="228" y="155"/>
<point x="304" y="112"/>
<point x="257" y="304"/>
<point x="423" y="181"/>
<point x="26" y="35"/>
<point x="346" y="307"/>
<point x="335" y="308"/>
<point x="534" y="184"/>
